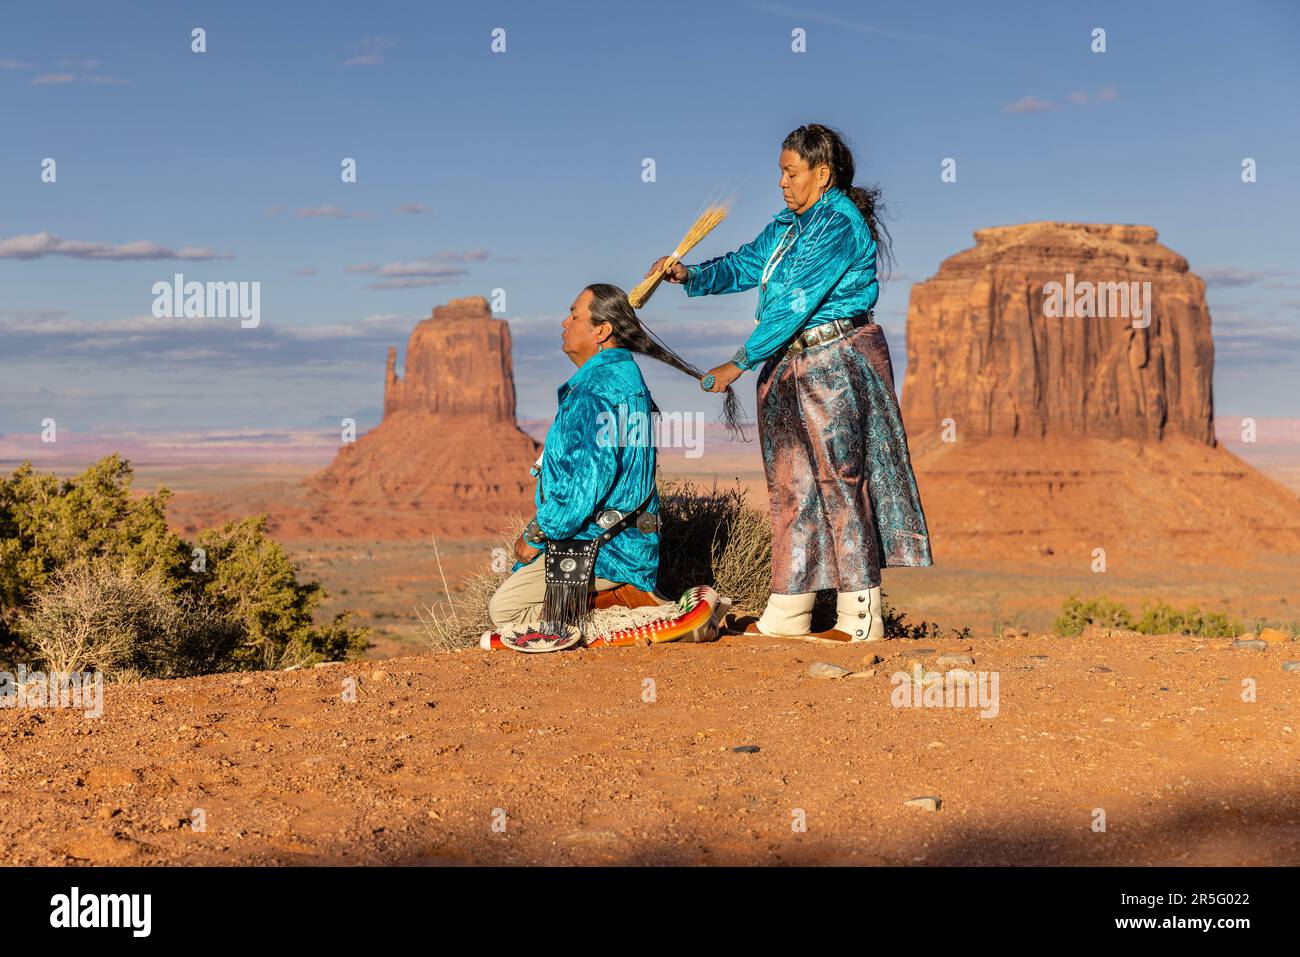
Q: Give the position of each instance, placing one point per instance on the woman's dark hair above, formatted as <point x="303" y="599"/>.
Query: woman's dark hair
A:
<point x="820" y="145"/>
<point x="609" y="304"/>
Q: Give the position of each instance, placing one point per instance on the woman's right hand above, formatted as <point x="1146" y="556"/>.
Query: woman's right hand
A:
<point x="676" y="273"/>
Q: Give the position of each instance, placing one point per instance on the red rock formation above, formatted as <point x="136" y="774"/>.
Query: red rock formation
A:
<point x="1068" y="434"/>
<point x="448" y="456"/>
<point x="985" y="350"/>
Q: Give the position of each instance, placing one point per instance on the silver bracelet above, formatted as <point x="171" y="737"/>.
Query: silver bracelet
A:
<point x="533" y="533"/>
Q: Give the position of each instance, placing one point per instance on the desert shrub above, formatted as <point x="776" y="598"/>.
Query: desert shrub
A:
<point x="99" y="616"/>
<point x="1077" y="614"/>
<point x="157" y="602"/>
<point x="1162" y="619"/>
<point x="251" y="579"/>
<point x="47" y="523"/>
<point x="714" y="537"/>
<point x="1158" y="619"/>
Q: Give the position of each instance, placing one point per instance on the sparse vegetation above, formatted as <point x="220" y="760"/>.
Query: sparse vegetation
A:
<point x="91" y="577"/>
<point x="1158" y="619"/>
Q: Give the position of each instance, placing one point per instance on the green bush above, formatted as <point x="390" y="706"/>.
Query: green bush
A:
<point x="1077" y="614"/>
<point x="1161" y="619"/>
<point x="1157" y="619"/>
<point x="241" y="584"/>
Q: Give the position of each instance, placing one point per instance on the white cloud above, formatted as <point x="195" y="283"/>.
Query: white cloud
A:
<point x="1029" y="104"/>
<point x="39" y="245"/>
<point x="51" y="79"/>
<point x="328" y="212"/>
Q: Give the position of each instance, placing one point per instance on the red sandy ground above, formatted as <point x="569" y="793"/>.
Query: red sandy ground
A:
<point x="586" y="771"/>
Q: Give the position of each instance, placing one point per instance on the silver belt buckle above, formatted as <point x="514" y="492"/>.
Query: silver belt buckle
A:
<point x="646" y="523"/>
<point x="609" y="518"/>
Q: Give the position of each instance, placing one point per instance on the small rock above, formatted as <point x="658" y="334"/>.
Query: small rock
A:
<point x="379" y="677"/>
<point x="871" y="673"/>
<point x="1291" y="666"/>
<point x="106" y="812"/>
<point x="822" y="669"/>
<point x="870" y="660"/>
<point x="746" y="749"/>
<point x="961" y="674"/>
<point x="1014" y="631"/>
<point x="1038" y="657"/>
<point x="1255" y="645"/>
<point x="1102" y="670"/>
<point x="923" y="651"/>
<point x="948" y="661"/>
<point x="1272" y="635"/>
<point x="928" y="802"/>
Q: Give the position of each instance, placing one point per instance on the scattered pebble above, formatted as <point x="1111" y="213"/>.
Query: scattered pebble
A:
<point x="1102" y="669"/>
<point x="1291" y="666"/>
<point x="870" y="660"/>
<point x="1014" y="631"/>
<point x="822" y="669"/>
<point x="928" y="802"/>
<point x="746" y="749"/>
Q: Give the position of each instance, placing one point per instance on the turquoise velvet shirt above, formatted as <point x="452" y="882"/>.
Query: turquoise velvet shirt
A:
<point x="828" y="273"/>
<point x="600" y="453"/>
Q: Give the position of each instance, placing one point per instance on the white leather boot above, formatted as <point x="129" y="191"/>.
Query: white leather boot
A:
<point x="786" y="616"/>
<point x="859" y="614"/>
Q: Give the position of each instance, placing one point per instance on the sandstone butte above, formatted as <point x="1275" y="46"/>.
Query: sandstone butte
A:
<point x="448" y="456"/>
<point x="1035" y="434"/>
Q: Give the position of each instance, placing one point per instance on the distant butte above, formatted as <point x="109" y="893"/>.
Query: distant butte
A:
<point x="448" y="456"/>
<point x="1034" y="434"/>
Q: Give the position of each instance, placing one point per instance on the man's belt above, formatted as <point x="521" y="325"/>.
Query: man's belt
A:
<point x="826" y="332"/>
<point x="644" y="522"/>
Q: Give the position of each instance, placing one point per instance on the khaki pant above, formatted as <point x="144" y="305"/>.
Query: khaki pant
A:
<point x="518" y="602"/>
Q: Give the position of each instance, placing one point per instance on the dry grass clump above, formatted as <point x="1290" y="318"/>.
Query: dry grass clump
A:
<point x="100" y="616"/>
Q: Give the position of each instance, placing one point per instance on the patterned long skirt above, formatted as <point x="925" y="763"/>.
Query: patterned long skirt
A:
<point x="839" y="477"/>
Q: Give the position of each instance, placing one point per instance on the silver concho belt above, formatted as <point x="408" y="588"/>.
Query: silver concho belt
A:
<point x="645" y="522"/>
<point x="827" y="331"/>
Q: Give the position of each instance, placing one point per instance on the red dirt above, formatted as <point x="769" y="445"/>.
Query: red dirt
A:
<point x="586" y="771"/>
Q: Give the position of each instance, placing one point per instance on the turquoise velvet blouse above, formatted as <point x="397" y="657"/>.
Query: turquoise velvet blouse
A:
<point x="829" y="272"/>
<point x="600" y="453"/>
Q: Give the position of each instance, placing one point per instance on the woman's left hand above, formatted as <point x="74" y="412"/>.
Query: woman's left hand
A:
<point x="724" y="375"/>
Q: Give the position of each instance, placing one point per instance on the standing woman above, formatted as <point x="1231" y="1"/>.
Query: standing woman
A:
<point x="844" y="499"/>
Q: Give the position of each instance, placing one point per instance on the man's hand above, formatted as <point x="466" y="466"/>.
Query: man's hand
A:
<point x="676" y="273"/>
<point x="525" y="552"/>
<point x="724" y="375"/>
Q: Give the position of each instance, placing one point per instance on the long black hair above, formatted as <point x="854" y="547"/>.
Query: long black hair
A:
<point x="819" y="145"/>
<point x="609" y="304"/>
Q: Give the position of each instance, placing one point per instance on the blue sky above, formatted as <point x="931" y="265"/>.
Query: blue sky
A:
<point x="522" y="171"/>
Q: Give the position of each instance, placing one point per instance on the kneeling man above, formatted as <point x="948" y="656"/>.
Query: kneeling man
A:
<point x="592" y="479"/>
